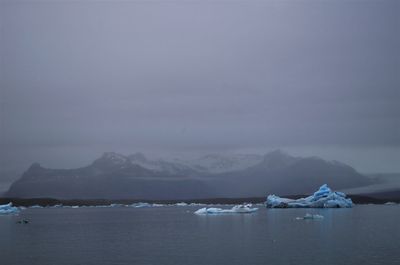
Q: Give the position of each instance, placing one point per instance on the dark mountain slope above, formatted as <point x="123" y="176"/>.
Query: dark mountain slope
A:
<point x="114" y="176"/>
<point x="283" y="174"/>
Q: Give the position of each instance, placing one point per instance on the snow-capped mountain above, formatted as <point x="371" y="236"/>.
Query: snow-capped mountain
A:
<point x="160" y="165"/>
<point x="215" y="163"/>
<point x="134" y="176"/>
<point x="210" y="164"/>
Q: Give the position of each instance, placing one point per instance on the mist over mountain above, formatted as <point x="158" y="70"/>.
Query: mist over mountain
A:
<point x="281" y="173"/>
<point x="116" y="176"/>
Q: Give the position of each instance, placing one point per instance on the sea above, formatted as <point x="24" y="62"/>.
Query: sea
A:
<point x="174" y="235"/>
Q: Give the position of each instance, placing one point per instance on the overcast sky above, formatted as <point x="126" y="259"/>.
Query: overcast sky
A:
<point x="194" y="77"/>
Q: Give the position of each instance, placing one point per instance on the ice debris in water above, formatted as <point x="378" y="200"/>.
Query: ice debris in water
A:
<point x="141" y="205"/>
<point x="246" y="208"/>
<point x="197" y="204"/>
<point x="309" y="216"/>
<point x="323" y="198"/>
<point x="8" y="209"/>
<point x="36" y="207"/>
<point x="113" y="205"/>
<point x="390" y="203"/>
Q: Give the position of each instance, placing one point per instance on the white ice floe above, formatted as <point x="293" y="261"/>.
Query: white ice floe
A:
<point x="390" y="203"/>
<point x="309" y="216"/>
<point x="323" y="198"/>
<point x="181" y="204"/>
<point x="35" y="206"/>
<point x="141" y="205"/>
<point x="8" y="209"/>
<point x="197" y="204"/>
<point x="235" y="209"/>
<point x="113" y="205"/>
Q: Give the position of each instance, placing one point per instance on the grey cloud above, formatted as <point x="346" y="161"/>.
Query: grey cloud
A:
<point x="197" y="75"/>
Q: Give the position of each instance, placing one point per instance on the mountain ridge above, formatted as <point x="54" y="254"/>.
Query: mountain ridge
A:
<point x="114" y="176"/>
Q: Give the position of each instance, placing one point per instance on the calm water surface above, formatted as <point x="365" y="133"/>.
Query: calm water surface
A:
<point x="174" y="236"/>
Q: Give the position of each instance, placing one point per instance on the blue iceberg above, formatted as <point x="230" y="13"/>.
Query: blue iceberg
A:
<point x="8" y="209"/>
<point x="235" y="209"/>
<point x="324" y="197"/>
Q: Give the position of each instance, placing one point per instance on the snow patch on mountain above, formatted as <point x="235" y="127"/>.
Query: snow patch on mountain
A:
<point x="158" y="165"/>
<point x="215" y="163"/>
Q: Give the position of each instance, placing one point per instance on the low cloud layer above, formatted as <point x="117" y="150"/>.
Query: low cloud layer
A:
<point x="82" y="77"/>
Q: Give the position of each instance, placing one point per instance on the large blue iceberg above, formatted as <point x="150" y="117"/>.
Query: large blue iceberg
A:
<point x="323" y="198"/>
<point x="8" y="209"/>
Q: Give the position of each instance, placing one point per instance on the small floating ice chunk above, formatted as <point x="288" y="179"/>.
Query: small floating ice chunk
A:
<point x="8" y="209"/>
<point x="235" y="209"/>
<point x="113" y="205"/>
<point x="390" y="203"/>
<point x="324" y="197"/>
<point x="36" y="207"/>
<point x="141" y="205"/>
<point x="181" y="204"/>
<point x="197" y="204"/>
<point x="313" y="216"/>
<point x="309" y="216"/>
